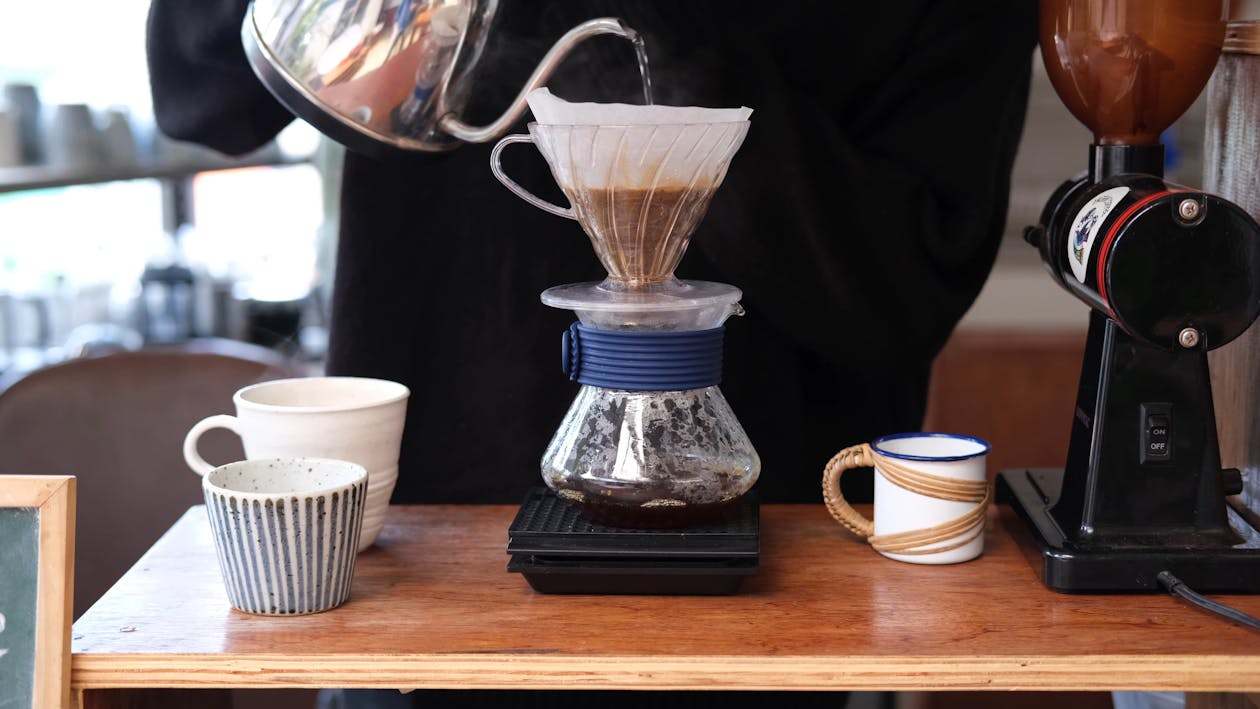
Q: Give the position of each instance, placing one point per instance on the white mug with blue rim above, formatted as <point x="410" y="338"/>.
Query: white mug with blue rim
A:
<point x="931" y="495"/>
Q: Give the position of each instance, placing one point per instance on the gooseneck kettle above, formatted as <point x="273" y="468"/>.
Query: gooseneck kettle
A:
<point x="375" y="74"/>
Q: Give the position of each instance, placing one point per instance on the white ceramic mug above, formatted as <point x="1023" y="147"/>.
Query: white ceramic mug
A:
<point x="286" y="531"/>
<point x="931" y="493"/>
<point x="344" y="418"/>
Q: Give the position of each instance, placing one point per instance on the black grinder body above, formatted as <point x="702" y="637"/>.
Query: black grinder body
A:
<point x="1169" y="273"/>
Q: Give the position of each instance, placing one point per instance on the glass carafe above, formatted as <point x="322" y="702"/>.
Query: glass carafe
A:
<point x="665" y="458"/>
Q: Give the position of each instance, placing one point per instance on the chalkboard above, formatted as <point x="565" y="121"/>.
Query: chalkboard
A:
<point x="36" y="568"/>
<point x="19" y="582"/>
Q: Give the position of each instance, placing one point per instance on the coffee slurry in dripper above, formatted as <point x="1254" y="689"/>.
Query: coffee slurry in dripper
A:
<point x="639" y="177"/>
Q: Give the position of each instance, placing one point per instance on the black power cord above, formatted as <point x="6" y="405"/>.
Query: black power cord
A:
<point x="1177" y="587"/>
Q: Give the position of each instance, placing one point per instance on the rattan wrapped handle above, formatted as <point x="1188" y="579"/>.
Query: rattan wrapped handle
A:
<point x="858" y="456"/>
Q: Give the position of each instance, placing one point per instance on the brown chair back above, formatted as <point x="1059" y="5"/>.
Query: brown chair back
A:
<point x="117" y="422"/>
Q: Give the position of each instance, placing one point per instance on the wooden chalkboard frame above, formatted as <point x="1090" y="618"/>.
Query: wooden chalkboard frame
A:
<point x="54" y="498"/>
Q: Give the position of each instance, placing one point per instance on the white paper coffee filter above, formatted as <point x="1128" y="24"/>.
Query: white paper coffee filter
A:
<point x="550" y="109"/>
<point x="597" y="146"/>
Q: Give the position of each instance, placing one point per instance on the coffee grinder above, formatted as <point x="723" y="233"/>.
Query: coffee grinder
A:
<point x="647" y="473"/>
<point x="1169" y="273"/>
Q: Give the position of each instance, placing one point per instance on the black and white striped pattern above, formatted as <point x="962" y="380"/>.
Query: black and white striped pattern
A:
<point x="287" y="555"/>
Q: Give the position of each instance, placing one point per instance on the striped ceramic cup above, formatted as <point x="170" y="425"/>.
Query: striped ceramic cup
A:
<point x="286" y="531"/>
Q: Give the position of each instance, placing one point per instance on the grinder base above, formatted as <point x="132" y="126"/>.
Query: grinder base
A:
<point x="1066" y="567"/>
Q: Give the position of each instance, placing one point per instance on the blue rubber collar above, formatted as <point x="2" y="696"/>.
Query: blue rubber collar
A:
<point x="643" y="361"/>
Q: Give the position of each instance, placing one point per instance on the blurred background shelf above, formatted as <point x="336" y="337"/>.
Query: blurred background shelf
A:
<point x="36" y="177"/>
<point x="177" y="244"/>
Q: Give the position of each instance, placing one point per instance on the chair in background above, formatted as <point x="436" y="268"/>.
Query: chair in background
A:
<point x="117" y="422"/>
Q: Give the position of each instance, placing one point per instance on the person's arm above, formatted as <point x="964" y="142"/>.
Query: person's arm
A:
<point x="203" y="89"/>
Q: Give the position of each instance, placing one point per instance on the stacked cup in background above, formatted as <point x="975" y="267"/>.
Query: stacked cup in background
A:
<point x="70" y="136"/>
<point x="22" y="108"/>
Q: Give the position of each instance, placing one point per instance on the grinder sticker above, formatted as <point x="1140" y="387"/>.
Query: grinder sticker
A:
<point x="1086" y="226"/>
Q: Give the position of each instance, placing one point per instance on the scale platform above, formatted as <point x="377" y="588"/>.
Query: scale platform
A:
<point x="559" y="551"/>
<point x="1068" y="568"/>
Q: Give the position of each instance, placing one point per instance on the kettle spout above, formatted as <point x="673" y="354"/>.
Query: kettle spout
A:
<point x="456" y="128"/>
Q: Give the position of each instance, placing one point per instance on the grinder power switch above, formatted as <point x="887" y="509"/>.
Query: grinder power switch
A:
<point x="1156" y="426"/>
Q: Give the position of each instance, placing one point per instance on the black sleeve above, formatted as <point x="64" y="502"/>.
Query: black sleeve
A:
<point x="203" y="89"/>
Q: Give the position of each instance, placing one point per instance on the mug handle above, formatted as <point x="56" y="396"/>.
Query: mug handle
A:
<point x="191" y="456"/>
<point x="858" y="456"/>
<point x="496" y="167"/>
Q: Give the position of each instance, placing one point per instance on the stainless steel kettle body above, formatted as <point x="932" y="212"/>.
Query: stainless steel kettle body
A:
<point x="388" y="73"/>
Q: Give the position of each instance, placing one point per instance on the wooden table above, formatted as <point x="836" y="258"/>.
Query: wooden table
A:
<point x="433" y="606"/>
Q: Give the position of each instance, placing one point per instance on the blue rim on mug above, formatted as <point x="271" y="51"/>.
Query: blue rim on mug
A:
<point x="984" y="446"/>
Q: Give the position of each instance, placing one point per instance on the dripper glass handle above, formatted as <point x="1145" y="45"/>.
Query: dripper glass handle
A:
<point x="496" y="167"/>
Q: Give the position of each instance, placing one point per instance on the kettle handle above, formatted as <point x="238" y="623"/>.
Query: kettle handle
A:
<point x="496" y="167"/>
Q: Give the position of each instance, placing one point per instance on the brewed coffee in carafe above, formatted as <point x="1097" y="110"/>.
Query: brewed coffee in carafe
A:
<point x="649" y="441"/>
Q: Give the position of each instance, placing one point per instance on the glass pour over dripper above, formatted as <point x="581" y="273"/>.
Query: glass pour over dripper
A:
<point x="639" y="192"/>
<point x="639" y="177"/>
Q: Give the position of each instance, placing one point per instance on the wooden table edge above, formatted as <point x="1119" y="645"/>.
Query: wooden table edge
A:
<point x="1193" y="673"/>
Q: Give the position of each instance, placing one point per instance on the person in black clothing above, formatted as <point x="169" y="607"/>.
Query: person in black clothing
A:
<point x="860" y="218"/>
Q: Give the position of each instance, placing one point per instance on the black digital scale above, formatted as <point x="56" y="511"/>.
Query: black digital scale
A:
<point x="558" y="550"/>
